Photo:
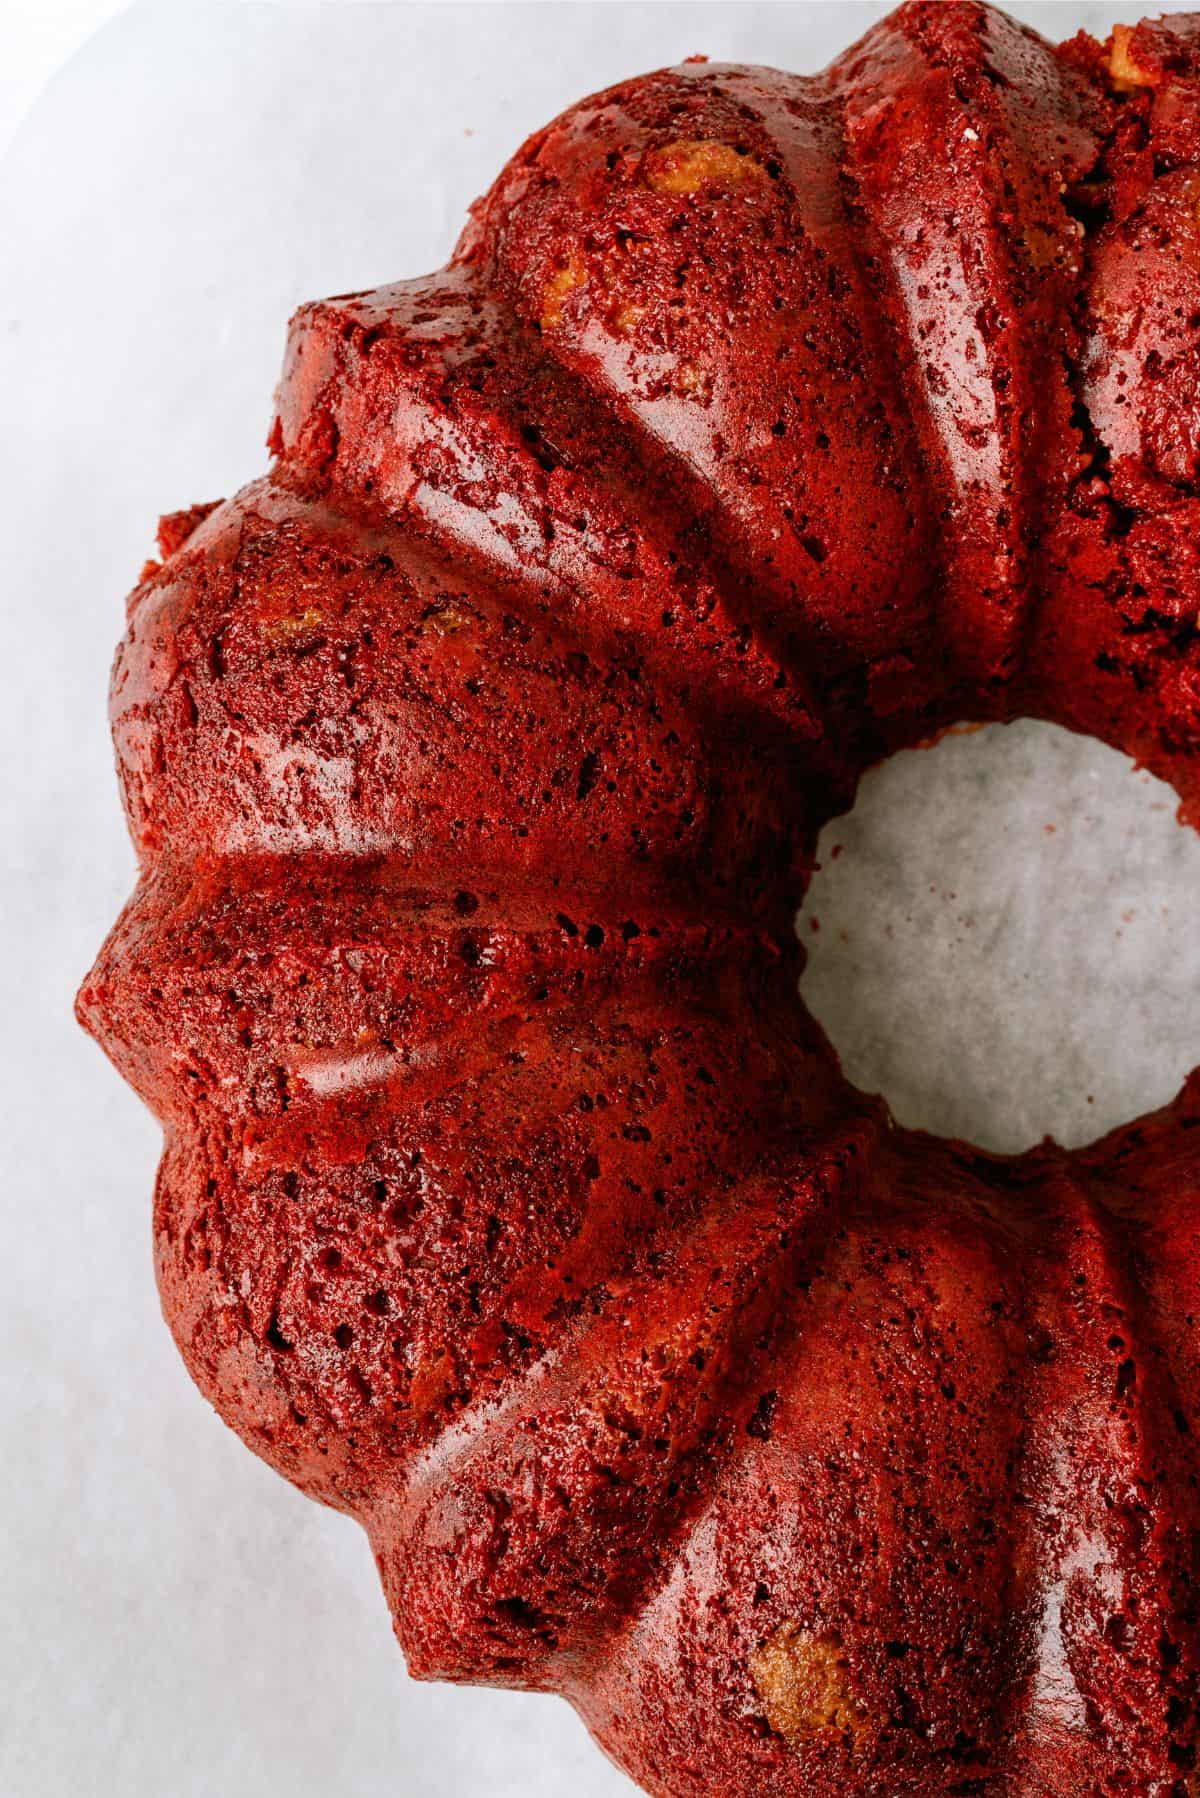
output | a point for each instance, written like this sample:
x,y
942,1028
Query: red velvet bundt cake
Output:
x,y
475,759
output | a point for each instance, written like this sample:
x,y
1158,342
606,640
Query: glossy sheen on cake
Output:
x,y
475,759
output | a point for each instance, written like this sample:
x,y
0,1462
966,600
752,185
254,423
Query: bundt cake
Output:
x,y
475,759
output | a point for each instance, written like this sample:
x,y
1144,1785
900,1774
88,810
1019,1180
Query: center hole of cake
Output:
x,y
1002,938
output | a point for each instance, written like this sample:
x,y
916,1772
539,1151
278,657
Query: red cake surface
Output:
x,y
475,758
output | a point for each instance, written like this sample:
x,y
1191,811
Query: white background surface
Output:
x,y
178,1623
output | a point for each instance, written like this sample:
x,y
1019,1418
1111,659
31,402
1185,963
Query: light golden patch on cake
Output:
x,y
566,278
1047,247
695,383
291,626
626,317
806,1688
1124,71
445,621
690,163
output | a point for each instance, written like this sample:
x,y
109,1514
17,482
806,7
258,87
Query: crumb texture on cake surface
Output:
x,y
475,758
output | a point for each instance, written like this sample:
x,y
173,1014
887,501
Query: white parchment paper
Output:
x,y
1003,938
177,1622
